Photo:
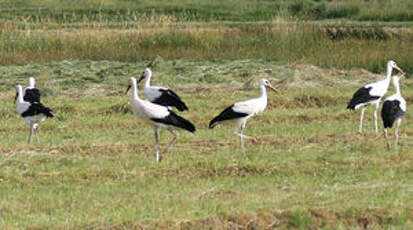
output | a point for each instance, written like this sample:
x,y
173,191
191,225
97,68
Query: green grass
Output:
x,y
324,33
295,42
95,167
203,10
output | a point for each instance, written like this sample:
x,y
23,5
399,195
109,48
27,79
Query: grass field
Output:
x,y
36,33
95,166
203,10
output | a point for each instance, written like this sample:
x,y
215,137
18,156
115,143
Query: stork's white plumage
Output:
x,y
33,113
371,94
160,95
394,108
30,93
159,116
242,111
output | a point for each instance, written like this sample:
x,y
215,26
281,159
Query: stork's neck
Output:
x,y
397,86
388,75
148,80
31,82
135,91
20,94
263,92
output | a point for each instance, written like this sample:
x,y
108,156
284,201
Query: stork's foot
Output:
x,y
243,136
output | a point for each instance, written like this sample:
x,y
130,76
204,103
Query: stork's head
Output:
x,y
392,64
266,83
31,82
132,81
145,74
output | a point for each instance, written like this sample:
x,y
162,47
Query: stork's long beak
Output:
x,y
129,86
15,97
141,78
272,88
400,70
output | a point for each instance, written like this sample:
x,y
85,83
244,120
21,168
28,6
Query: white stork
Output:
x,y
242,111
371,94
160,95
33,113
30,93
159,116
394,108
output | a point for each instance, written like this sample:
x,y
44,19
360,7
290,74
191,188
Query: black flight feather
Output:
x,y
177,121
32,95
37,108
390,112
170,98
227,114
362,95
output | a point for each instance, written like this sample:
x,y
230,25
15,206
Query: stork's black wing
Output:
x,y
390,112
37,108
176,120
170,98
31,95
227,114
361,96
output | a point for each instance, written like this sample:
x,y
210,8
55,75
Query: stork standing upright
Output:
x,y
33,113
394,108
159,116
160,95
30,93
371,94
242,111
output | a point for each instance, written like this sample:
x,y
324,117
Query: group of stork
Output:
x,y
394,106
157,108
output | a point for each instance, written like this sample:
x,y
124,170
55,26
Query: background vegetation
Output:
x,y
205,10
288,31
95,167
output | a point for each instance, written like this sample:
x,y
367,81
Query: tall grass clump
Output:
x,y
63,12
307,9
285,41
342,11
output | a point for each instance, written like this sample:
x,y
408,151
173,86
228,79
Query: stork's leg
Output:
x,y
241,136
396,132
375,117
361,119
158,157
176,135
35,132
387,139
238,131
30,134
